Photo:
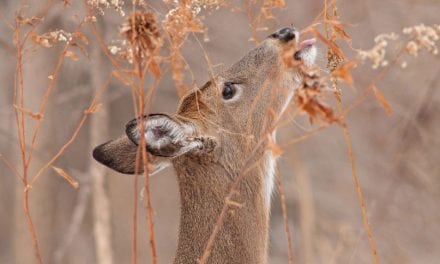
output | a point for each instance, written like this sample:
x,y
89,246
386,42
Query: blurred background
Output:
x,y
397,155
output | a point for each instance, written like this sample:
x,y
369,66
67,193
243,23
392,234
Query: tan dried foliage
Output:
x,y
66,176
343,71
382,100
48,39
70,54
339,31
307,97
142,31
180,21
269,5
30,21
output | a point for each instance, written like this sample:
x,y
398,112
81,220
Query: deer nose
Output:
x,y
285,34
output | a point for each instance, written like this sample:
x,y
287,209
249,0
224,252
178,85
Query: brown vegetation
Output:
x,y
146,48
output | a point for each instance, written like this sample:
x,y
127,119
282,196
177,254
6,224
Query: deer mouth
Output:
x,y
306,52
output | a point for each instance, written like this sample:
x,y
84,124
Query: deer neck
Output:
x,y
244,234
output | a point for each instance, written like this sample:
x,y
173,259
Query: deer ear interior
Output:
x,y
164,136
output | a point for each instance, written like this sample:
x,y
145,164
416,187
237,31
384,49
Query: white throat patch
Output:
x,y
269,177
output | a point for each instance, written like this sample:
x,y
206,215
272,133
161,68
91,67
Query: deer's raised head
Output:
x,y
208,139
237,106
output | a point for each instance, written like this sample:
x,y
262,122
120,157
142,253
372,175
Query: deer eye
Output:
x,y
229,90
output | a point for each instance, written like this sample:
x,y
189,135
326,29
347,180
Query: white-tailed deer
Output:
x,y
215,130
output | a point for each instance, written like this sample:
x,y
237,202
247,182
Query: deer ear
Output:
x,y
166,137
120,155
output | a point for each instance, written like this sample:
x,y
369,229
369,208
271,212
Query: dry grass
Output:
x,y
150,47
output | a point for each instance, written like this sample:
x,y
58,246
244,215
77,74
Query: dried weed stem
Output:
x,y
285,217
141,30
333,62
20,123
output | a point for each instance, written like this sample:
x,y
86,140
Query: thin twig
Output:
x,y
285,218
347,135
22,140
11,167
140,70
86,113
48,92
356,178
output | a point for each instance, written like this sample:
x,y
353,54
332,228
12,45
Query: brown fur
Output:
x,y
205,175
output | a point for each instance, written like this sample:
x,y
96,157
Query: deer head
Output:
x,y
207,141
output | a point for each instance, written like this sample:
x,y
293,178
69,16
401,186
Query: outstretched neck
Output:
x,y
244,233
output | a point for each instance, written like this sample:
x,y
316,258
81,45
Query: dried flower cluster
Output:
x,y
121,50
47,40
208,4
179,22
421,37
425,37
182,20
378,52
307,96
333,60
141,30
269,5
100,5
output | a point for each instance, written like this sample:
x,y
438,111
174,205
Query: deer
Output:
x,y
215,130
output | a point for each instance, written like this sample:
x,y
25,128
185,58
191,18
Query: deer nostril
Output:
x,y
285,34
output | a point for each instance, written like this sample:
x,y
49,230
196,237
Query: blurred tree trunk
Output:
x,y
98,134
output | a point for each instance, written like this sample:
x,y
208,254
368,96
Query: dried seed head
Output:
x,y
333,60
142,32
269,5
182,20
377,54
48,39
307,96
424,37
100,5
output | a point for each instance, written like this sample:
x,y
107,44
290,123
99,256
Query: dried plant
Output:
x,y
178,23
418,38
377,53
142,31
101,5
308,96
142,48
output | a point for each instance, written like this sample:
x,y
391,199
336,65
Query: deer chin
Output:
x,y
307,52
